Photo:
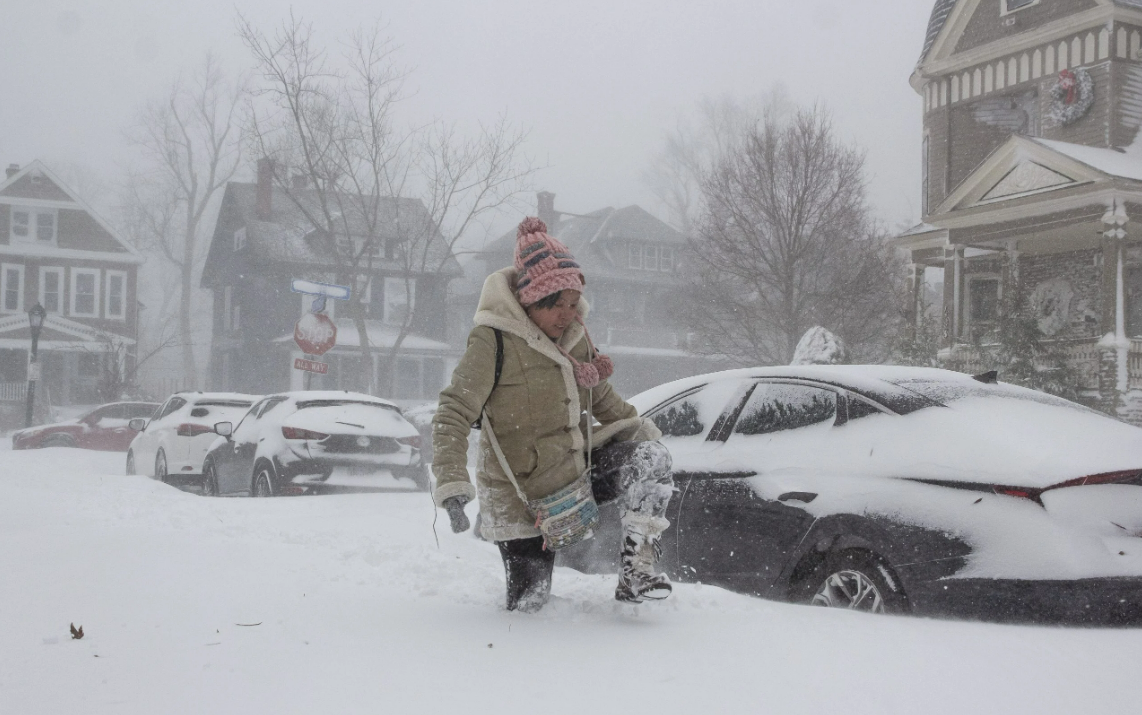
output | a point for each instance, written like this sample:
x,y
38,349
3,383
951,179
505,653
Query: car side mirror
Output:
x,y
138,424
224,428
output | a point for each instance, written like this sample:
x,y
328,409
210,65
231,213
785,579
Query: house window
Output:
x,y
34,224
84,292
51,289
21,221
634,256
650,258
666,260
240,239
925,156
46,226
12,288
400,299
1010,6
983,304
418,378
116,298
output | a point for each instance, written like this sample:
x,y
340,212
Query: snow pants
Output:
x,y
636,474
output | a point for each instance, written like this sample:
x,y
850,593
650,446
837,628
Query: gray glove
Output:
x,y
455,508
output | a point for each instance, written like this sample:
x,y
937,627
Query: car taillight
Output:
x,y
187,429
1035,494
299,433
413,442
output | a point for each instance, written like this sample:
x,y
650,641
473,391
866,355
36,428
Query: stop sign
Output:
x,y
315,333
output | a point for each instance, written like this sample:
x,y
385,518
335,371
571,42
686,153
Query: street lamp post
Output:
x,y
35,324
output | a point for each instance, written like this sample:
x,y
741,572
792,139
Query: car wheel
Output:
x,y
263,482
161,465
130,464
58,440
857,581
209,480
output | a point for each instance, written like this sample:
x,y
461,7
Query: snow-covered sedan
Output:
x,y
172,445
892,489
104,428
315,441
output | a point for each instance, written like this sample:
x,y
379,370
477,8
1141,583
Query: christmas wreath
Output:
x,y
1071,96
1051,301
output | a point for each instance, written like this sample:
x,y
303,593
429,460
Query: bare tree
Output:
x,y
715,129
785,241
377,198
190,147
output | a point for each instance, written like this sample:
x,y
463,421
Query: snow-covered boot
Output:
x,y
528,568
637,580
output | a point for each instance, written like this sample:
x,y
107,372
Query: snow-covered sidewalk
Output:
x,y
344,604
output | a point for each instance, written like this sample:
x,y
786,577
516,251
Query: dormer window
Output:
x,y
1010,6
647,257
33,224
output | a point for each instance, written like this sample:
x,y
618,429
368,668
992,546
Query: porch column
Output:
x,y
916,298
957,292
1115,345
1010,275
947,310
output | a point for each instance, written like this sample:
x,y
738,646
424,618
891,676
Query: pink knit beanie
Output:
x,y
544,264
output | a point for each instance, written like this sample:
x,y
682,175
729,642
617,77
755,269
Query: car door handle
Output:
x,y
797,496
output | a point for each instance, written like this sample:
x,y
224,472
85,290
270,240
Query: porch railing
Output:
x,y
13,391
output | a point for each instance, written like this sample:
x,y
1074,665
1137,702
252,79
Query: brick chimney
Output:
x,y
547,212
12,170
264,207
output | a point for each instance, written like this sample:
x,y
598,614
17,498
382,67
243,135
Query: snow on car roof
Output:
x,y
871,379
316,395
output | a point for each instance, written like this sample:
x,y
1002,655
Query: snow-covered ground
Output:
x,y
345,604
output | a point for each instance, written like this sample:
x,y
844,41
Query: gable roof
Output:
x,y
290,238
54,192
1024,166
593,239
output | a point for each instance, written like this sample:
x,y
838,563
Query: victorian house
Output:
x,y
1032,182
632,263
265,238
57,252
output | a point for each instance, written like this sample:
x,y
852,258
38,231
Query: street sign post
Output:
x,y
328,290
321,368
315,333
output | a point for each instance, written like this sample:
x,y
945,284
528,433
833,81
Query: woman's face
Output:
x,y
554,321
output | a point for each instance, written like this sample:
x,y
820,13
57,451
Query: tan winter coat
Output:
x,y
537,412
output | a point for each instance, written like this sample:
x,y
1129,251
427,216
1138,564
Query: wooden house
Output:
x,y
263,240
1032,182
56,251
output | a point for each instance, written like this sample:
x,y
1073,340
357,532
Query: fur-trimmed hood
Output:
x,y
499,308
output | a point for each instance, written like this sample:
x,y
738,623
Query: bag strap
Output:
x,y
479,423
503,460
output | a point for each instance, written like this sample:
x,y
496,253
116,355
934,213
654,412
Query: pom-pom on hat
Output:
x,y
544,264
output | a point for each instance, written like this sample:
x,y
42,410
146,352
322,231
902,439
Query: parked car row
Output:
x,y
873,488
235,444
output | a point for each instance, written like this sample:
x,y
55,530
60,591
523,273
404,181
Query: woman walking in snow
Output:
x,y
531,376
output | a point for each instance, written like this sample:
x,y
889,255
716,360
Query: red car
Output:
x,y
104,428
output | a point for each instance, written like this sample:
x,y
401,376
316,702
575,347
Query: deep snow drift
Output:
x,y
358,611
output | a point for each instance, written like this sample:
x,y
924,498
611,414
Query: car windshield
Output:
x,y
948,391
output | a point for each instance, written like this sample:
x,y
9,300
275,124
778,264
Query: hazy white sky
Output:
x,y
598,82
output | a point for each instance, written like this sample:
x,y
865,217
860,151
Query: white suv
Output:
x,y
171,446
